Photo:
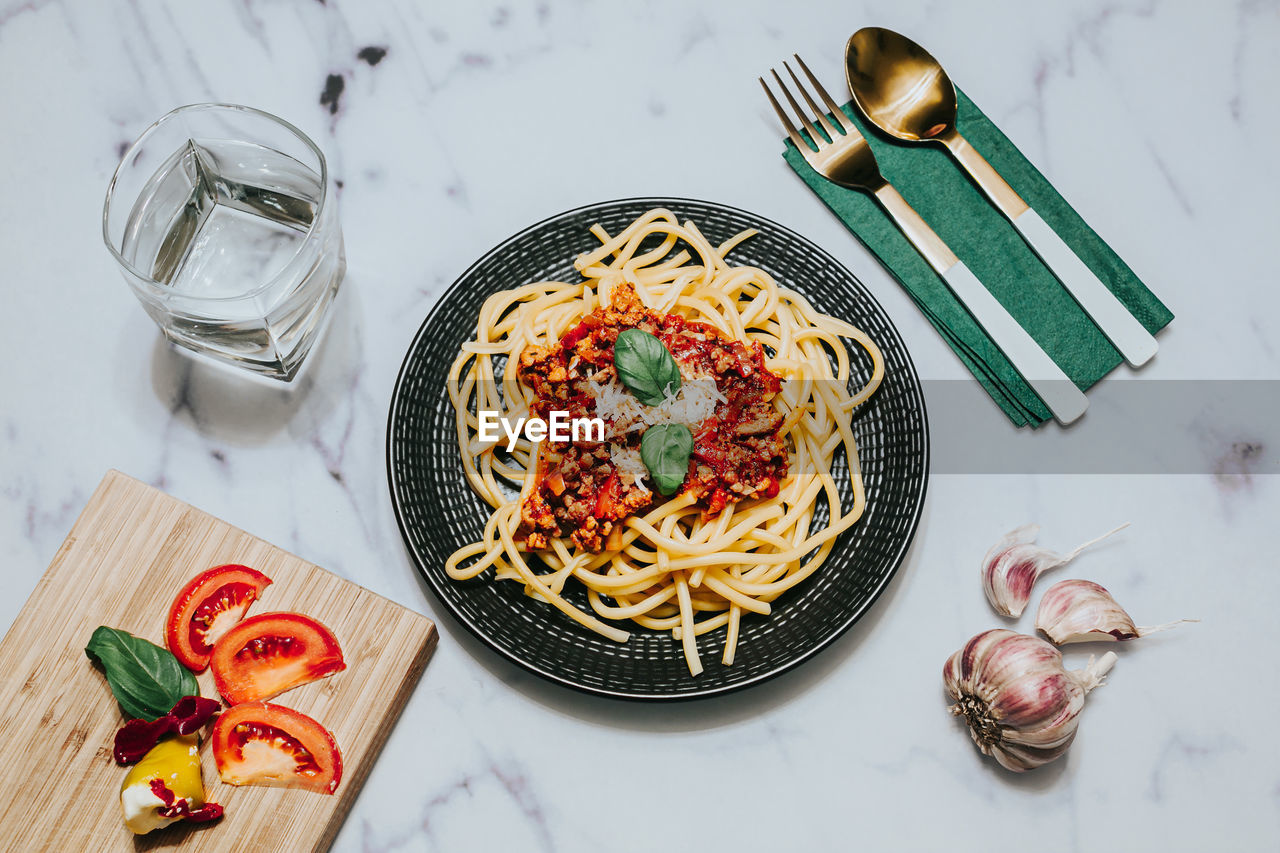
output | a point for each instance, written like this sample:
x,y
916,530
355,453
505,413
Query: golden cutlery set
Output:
x,y
903,91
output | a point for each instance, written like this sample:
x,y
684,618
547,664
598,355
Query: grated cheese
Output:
x,y
693,403
630,465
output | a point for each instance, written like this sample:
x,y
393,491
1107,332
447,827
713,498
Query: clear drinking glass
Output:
x,y
224,225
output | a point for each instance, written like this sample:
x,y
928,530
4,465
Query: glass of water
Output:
x,y
224,224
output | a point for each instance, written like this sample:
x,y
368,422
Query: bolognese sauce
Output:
x,y
585,489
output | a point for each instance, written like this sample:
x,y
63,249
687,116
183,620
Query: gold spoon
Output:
x,y
901,89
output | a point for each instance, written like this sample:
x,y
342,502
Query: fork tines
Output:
x,y
818,142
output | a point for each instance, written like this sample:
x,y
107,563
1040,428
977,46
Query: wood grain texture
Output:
x,y
128,554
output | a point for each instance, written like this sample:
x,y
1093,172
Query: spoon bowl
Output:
x,y
899,86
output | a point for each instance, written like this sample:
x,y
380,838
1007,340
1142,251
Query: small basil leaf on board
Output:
x,y
147,680
665,450
645,366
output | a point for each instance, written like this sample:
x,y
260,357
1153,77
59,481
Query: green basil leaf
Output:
x,y
645,366
147,680
665,450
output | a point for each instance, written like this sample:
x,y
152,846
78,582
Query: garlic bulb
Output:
x,y
1078,611
1011,567
1021,705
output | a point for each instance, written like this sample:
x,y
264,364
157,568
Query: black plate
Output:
x,y
438,512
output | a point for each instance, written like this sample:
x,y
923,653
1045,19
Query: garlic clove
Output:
x,y
1080,611
1020,757
1021,705
1011,567
1008,571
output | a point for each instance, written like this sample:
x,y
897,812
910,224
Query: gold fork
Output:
x,y
844,157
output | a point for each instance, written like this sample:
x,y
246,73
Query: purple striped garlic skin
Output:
x,y
1080,611
1021,705
1011,567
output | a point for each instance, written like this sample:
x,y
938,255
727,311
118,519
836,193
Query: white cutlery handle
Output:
x,y
1060,394
1121,328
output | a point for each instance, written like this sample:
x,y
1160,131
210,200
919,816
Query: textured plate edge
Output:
x,y
827,641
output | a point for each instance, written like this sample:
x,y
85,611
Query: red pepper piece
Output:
x,y
136,738
174,807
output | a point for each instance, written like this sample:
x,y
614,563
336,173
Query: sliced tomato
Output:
x,y
577,333
261,744
609,501
270,653
207,608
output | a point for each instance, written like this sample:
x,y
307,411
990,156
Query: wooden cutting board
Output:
x,y
129,553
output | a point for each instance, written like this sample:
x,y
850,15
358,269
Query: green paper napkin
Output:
x,y
940,191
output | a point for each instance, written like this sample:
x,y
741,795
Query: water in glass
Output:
x,y
240,266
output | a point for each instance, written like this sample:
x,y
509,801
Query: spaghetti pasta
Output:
x,y
672,565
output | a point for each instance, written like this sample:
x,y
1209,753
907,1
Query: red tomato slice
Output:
x,y
207,608
608,502
261,744
270,653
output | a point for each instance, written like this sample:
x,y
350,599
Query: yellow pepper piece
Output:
x,y
175,762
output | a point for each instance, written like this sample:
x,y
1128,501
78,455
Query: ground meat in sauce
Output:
x,y
737,452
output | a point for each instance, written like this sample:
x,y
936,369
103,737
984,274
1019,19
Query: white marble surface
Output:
x,y
1156,119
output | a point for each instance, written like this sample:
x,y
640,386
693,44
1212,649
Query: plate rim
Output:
x,y
808,654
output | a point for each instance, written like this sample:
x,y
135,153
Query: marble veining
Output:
x,y
1155,119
